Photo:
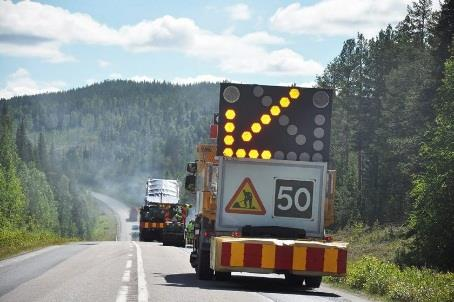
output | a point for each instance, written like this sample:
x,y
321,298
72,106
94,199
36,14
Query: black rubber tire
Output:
x,y
203,270
222,276
313,281
294,280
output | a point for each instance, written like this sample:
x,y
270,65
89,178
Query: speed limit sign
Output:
x,y
293,198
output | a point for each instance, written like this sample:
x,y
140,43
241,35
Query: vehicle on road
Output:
x,y
264,194
132,214
135,232
162,217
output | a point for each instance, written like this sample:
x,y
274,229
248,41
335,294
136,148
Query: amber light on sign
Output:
x,y
256,127
265,119
275,110
230,114
228,140
240,153
284,102
294,93
253,153
246,136
229,127
228,152
266,154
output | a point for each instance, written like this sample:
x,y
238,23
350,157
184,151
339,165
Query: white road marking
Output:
x,y
141,282
126,276
129,255
128,264
122,295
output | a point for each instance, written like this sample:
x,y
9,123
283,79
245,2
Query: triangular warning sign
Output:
x,y
246,200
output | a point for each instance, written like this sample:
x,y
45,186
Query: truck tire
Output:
x,y
313,281
203,270
294,280
165,241
222,276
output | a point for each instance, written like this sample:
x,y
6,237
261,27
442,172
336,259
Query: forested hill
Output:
x,y
116,133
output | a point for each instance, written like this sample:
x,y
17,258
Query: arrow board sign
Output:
x,y
271,193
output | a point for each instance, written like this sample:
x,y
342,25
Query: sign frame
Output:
x,y
232,171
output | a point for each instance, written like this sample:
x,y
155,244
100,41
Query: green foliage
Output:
x,y
386,279
433,189
117,133
41,209
105,227
30,203
379,241
13,241
12,199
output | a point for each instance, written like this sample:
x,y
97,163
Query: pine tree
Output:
x,y
42,160
23,144
13,201
432,218
420,14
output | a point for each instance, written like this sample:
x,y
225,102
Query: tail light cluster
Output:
x,y
236,234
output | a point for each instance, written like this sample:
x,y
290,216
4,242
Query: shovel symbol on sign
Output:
x,y
246,202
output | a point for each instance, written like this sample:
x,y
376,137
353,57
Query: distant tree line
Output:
x,y
392,140
35,194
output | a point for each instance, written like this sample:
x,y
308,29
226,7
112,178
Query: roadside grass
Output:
x,y
13,242
371,269
17,241
105,227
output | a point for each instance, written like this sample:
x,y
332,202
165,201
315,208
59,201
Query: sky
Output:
x,y
57,45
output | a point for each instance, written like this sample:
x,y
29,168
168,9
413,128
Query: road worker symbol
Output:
x,y
246,200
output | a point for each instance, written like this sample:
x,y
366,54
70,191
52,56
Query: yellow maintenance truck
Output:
x,y
264,194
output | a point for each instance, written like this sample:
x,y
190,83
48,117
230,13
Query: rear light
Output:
x,y
328,238
207,234
236,234
213,131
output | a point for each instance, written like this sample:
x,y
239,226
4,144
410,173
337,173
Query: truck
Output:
x,y
263,191
162,217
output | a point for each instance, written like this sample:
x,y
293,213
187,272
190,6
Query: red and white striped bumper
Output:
x,y
273,255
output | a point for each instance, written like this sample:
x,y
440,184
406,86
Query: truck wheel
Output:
x,y
222,276
313,281
294,280
203,270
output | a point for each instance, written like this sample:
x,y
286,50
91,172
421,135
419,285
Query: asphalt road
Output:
x,y
136,271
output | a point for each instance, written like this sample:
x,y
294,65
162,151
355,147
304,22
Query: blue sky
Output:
x,y
58,45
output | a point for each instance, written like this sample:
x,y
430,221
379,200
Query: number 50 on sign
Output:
x,y
293,198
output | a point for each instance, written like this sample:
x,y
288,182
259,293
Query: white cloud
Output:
x,y
49,51
261,38
339,17
55,27
115,76
239,12
303,84
54,23
20,83
91,81
103,63
199,79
